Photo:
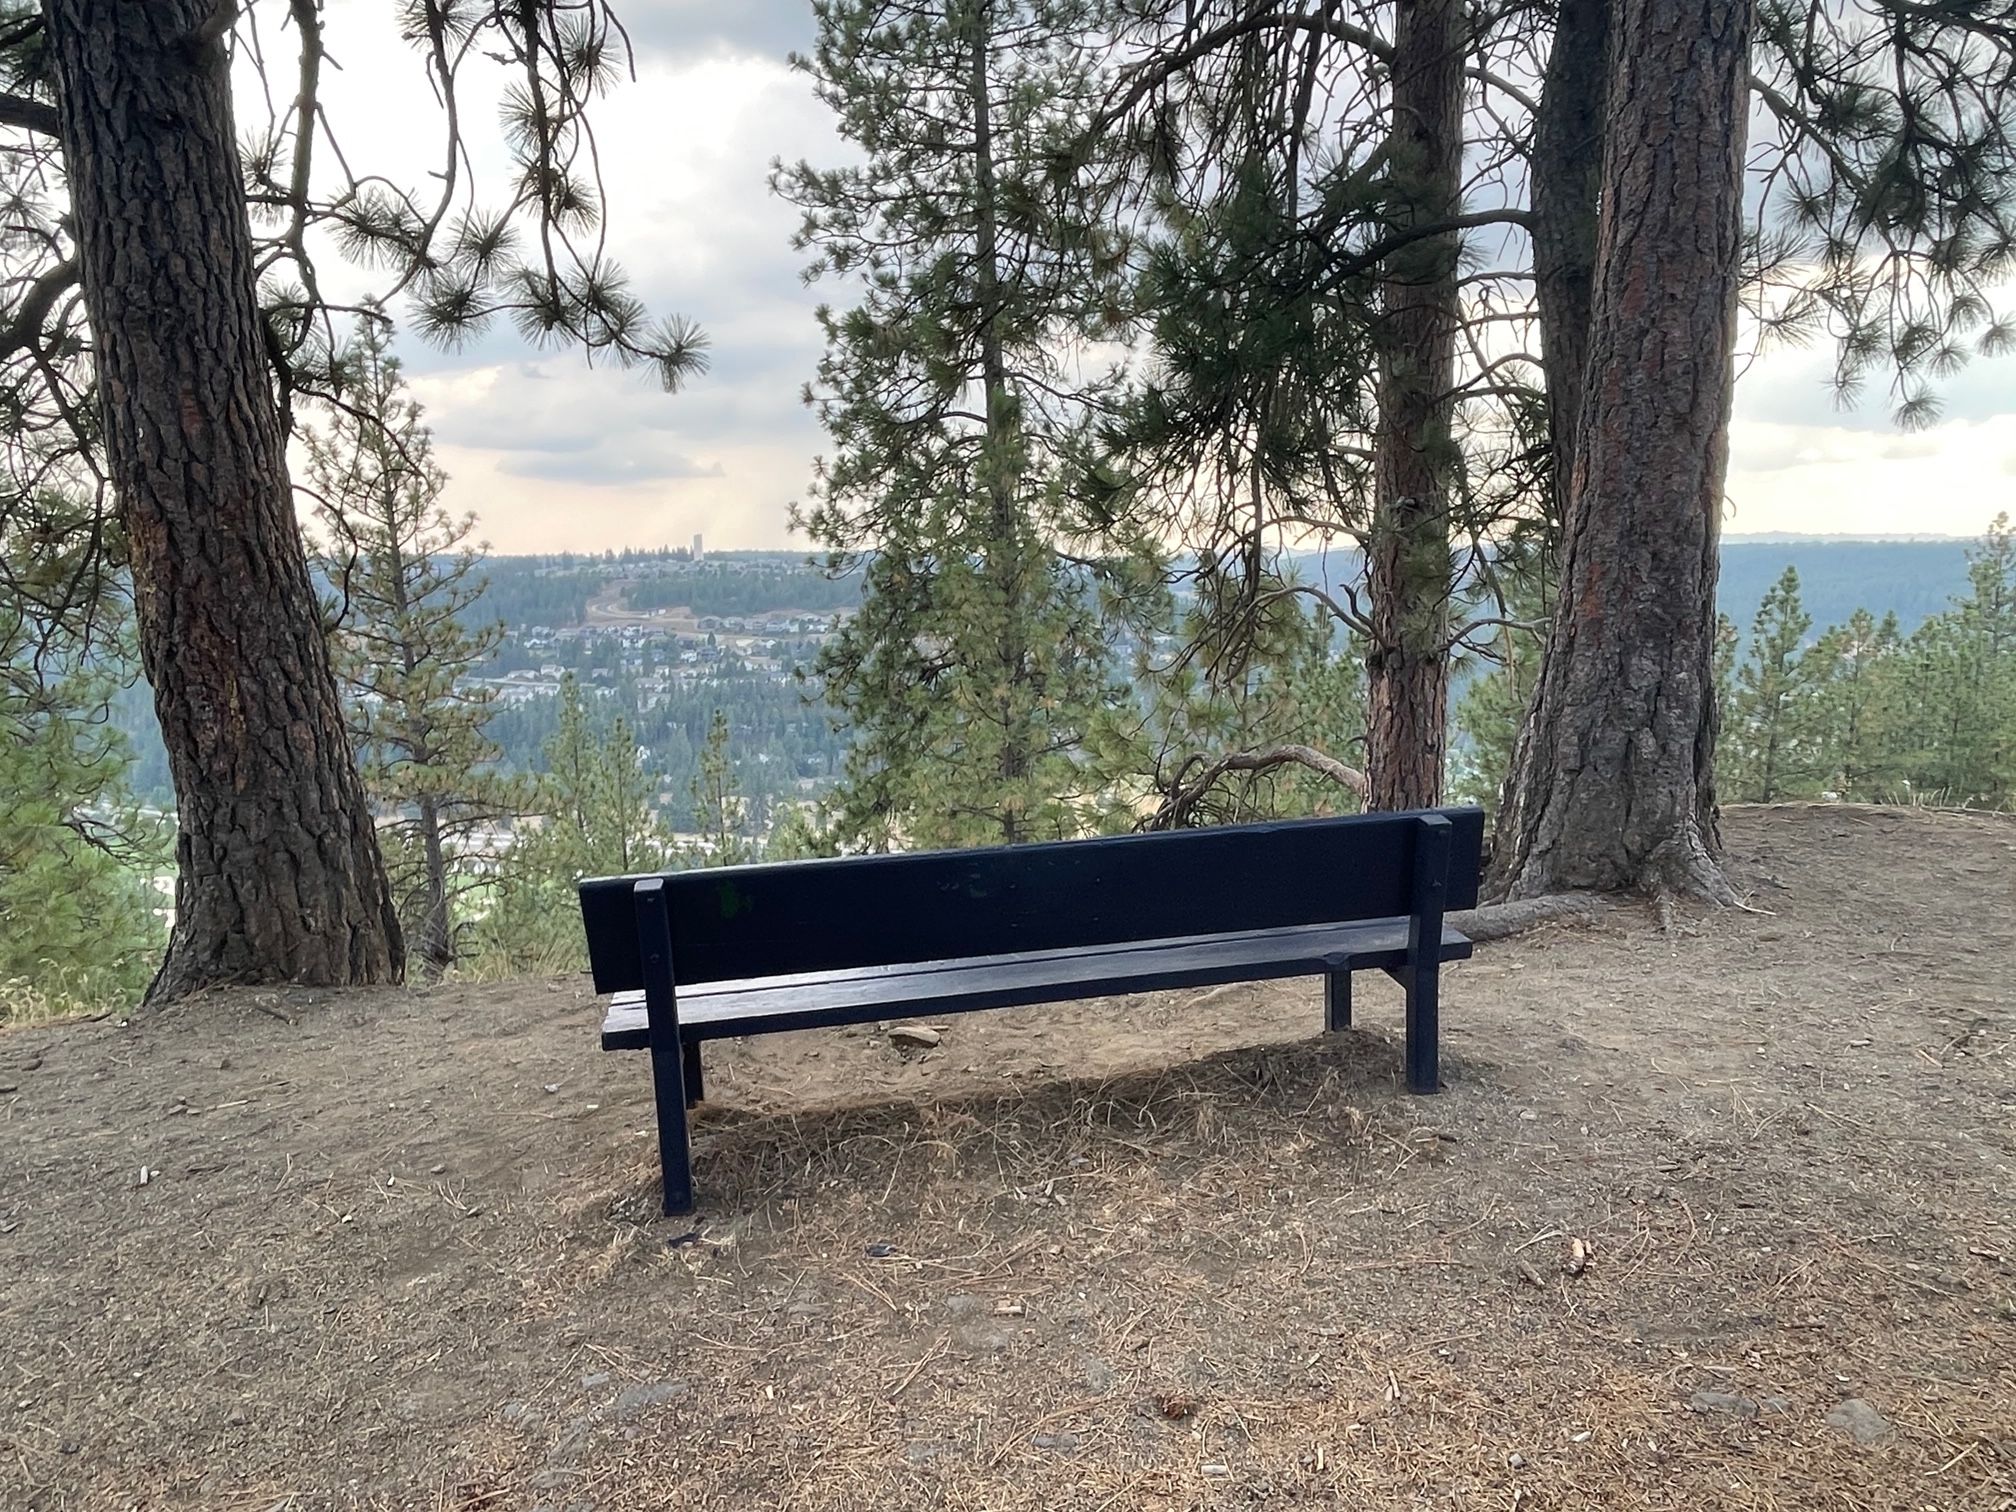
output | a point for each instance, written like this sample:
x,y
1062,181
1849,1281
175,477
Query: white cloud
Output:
x,y
1817,479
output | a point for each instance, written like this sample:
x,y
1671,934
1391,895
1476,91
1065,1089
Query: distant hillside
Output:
x,y
1917,579
1837,576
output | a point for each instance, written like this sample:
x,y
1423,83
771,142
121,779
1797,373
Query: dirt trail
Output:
x,y
400,1249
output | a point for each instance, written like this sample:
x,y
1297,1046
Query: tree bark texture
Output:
x,y
1408,554
435,949
1567,170
279,872
1612,780
1005,557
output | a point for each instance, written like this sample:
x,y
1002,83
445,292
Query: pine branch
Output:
x,y
1183,796
30,115
24,332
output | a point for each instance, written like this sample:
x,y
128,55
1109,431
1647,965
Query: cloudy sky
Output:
x,y
552,455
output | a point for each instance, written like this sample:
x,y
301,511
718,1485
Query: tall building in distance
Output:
x,y
699,551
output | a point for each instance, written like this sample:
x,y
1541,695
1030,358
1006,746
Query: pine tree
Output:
x,y
719,809
1303,174
1415,456
598,795
163,309
1886,218
976,659
1612,784
1964,662
1763,726
79,915
406,580
1855,719
597,817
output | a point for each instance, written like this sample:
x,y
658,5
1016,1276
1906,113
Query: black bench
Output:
x,y
745,950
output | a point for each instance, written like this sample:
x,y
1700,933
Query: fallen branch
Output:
x,y
1184,795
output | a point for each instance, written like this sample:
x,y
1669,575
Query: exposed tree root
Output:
x,y
1683,866
1498,921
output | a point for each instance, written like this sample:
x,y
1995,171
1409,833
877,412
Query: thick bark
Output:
x,y
280,877
1003,546
1567,170
1408,555
435,949
1612,780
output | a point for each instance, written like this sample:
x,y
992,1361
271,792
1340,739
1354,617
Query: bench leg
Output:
x,y
1424,1072
1337,1001
669,1048
690,1065
1421,975
675,1148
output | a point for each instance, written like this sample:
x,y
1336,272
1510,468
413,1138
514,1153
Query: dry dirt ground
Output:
x,y
400,1249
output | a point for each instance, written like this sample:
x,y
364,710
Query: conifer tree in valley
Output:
x,y
1855,725
719,810
406,582
596,807
1766,722
950,393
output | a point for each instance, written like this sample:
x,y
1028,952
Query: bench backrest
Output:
x,y
783,918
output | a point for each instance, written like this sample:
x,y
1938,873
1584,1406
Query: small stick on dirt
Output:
x,y
915,1370
875,1291
1956,1459
1023,1435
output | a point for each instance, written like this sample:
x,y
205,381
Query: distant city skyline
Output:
x,y
553,455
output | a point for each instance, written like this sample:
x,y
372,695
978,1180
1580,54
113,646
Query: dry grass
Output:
x,y
402,1249
1256,1278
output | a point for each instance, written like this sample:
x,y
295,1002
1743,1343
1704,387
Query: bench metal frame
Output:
x,y
765,949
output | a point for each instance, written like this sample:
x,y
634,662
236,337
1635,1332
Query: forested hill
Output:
x,y
1837,576
1916,579
669,640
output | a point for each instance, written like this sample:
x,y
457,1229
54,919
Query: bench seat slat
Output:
x,y
766,1005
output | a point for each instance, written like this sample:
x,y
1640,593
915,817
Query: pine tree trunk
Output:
x,y
1567,180
1003,544
1408,559
1612,783
280,877
434,949
436,945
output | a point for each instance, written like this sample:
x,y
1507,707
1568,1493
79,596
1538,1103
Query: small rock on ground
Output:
x,y
632,1400
914,1034
1859,1421
1723,1401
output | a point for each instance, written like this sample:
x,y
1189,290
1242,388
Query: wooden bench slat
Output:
x,y
770,1005
730,924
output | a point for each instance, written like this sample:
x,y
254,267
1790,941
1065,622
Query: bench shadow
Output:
x,y
1331,1099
